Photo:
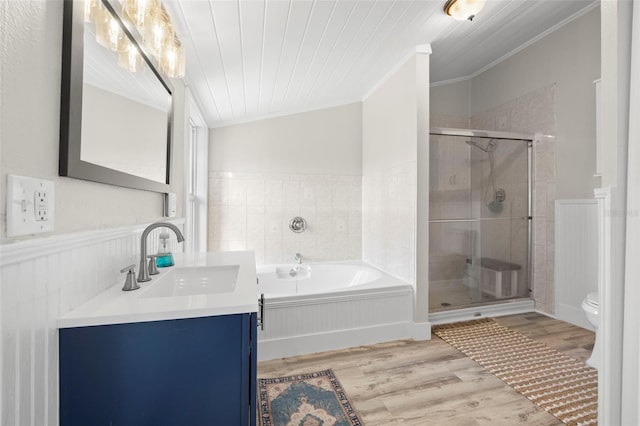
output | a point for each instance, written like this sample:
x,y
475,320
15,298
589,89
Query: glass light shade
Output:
x,y
152,21
130,59
90,10
157,31
172,59
462,10
108,31
137,11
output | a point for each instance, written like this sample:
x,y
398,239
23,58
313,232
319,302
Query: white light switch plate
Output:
x,y
30,205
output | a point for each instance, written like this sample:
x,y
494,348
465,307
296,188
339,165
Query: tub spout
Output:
x,y
298,258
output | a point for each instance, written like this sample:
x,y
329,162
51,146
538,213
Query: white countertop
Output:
x,y
114,306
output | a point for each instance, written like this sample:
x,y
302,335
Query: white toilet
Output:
x,y
591,308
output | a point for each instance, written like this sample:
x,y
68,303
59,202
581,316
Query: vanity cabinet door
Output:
x,y
196,371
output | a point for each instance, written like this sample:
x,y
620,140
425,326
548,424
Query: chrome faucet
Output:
x,y
298,258
143,275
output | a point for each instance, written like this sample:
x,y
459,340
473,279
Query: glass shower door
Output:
x,y
478,221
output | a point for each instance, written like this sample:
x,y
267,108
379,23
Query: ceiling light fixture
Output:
x,y
462,10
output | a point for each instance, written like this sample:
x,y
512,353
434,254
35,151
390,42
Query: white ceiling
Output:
x,y
248,59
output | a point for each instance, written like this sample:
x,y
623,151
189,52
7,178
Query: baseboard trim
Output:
x,y
333,340
573,315
421,331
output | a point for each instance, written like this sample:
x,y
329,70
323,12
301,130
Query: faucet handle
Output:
x,y
153,266
130,282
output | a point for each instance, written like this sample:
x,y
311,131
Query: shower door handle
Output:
x,y
261,307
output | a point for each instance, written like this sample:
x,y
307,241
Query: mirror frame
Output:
x,y
70,163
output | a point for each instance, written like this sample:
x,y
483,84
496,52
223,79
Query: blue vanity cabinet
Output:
x,y
195,371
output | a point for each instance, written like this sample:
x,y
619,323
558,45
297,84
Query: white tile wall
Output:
x,y
40,280
534,113
252,211
445,120
389,220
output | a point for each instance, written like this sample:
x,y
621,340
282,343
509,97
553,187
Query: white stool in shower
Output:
x,y
498,268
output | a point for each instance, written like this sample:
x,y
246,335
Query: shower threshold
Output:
x,y
482,310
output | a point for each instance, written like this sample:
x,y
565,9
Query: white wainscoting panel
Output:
x,y
324,322
576,270
40,280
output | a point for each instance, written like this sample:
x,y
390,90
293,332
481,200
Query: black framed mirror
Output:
x,y
115,125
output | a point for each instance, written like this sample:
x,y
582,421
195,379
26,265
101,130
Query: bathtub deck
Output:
x,y
429,382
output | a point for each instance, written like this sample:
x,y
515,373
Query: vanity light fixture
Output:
x,y
152,21
462,10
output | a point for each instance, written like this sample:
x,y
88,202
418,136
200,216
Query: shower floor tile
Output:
x,y
445,295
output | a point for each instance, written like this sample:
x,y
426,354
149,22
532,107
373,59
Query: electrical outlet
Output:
x,y
30,206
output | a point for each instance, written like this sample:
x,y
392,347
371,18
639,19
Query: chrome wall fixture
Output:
x,y
298,224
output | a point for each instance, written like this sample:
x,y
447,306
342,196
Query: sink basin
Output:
x,y
193,281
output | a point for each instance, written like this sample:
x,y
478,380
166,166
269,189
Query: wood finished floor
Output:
x,y
431,383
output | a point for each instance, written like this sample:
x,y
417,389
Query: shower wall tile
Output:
x,y
519,116
503,119
252,211
444,120
534,113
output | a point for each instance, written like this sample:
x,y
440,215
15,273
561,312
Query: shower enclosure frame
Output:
x,y
483,309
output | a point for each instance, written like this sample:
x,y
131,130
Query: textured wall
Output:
x,y
29,133
46,276
570,59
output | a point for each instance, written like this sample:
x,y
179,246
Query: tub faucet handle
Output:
x,y
298,258
130,282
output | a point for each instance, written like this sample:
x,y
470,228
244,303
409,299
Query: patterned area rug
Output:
x,y
563,386
314,399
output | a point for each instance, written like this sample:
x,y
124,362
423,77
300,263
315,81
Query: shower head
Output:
x,y
491,146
